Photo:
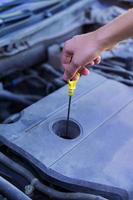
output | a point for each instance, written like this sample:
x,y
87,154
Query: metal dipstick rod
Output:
x,y
71,87
68,117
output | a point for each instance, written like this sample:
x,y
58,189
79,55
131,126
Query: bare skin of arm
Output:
x,y
87,48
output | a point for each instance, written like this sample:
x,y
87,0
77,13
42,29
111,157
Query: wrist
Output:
x,y
104,39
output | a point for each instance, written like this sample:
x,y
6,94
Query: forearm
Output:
x,y
85,49
119,29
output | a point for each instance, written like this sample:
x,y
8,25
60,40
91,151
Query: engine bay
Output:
x,y
35,159
24,80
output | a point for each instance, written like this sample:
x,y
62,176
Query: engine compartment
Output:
x,y
20,74
33,104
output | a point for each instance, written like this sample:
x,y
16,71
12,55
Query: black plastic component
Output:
x,y
11,192
14,17
58,8
102,107
98,147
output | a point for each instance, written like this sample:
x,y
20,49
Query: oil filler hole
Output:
x,y
59,128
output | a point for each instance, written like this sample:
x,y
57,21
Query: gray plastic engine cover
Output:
x,y
102,153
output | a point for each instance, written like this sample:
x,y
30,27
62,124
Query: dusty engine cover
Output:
x,y
101,154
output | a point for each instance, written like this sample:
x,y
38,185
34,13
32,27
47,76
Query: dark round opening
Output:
x,y
60,129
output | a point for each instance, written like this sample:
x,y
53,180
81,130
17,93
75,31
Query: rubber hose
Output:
x,y
11,192
120,79
65,195
16,167
14,98
113,70
52,193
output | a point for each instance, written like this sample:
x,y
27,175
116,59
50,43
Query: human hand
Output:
x,y
80,51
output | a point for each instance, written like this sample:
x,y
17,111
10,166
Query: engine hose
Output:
x,y
49,69
10,191
28,77
19,98
50,192
113,70
120,79
16,167
56,195
58,82
14,98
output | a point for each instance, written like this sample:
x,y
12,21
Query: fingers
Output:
x,y
97,60
84,71
75,77
72,67
66,57
67,53
70,70
73,60
91,63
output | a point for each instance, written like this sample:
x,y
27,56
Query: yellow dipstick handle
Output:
x,y
72,86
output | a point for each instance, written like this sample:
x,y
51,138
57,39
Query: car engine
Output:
x,y
36,160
